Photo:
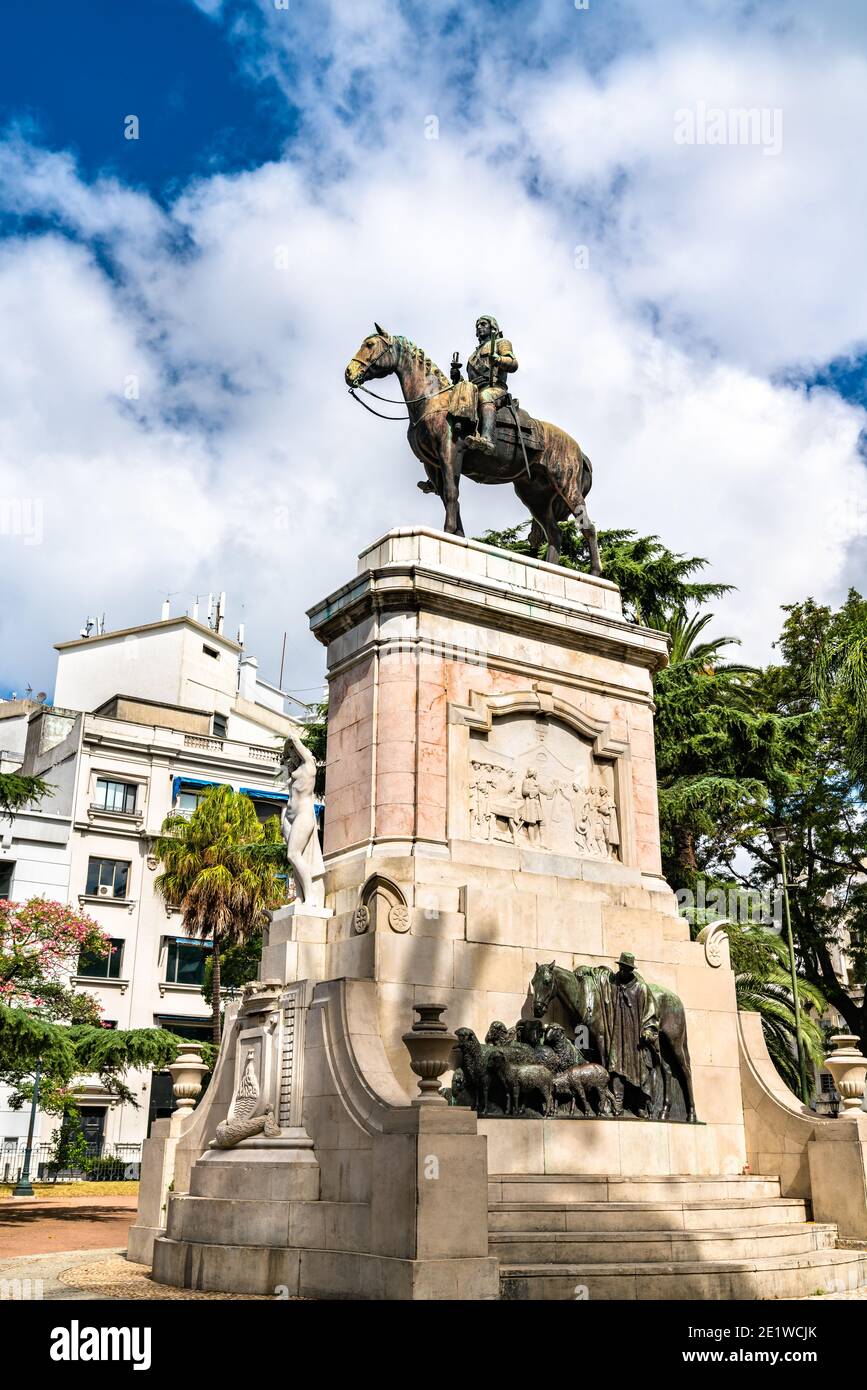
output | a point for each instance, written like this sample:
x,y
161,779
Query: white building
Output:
x,y
144,721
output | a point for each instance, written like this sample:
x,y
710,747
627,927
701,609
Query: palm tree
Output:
x,y
220,870
763,985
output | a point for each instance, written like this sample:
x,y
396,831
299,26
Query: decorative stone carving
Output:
x,y
256,1068
398,917
429,1044
849,1070
243,1122
536,782
186,1072
713,938
292,1053
380,895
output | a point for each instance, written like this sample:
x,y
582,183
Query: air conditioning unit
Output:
x,y
103,891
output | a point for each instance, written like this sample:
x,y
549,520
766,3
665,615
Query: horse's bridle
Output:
x,y
547,1004
395,419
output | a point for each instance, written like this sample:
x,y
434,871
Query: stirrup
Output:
x,y
479,443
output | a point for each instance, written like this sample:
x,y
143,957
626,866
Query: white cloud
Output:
x,y
242,419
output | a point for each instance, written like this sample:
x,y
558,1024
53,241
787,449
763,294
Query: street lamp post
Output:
x,y
24,1187
780,837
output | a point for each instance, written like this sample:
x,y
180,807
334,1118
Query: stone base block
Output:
x,y
612,1147
338,1274
140,1246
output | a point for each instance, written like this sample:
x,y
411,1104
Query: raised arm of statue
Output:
x,y
298,822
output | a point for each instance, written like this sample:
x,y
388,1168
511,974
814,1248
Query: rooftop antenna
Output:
x,y
100,627
88,627
221,611
210,610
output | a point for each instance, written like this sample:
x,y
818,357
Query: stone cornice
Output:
x,y
419,586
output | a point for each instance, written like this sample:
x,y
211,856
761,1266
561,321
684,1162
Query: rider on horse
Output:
x,y
487,369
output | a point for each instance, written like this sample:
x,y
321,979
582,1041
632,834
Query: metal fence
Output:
x,y
103,1162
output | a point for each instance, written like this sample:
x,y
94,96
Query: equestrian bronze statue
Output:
x,y
635,1027
474,427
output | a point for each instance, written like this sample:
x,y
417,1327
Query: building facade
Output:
x,y
144,721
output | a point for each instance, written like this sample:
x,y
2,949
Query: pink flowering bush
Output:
x,y
40,942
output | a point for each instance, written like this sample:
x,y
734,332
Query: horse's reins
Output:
x,y
399,419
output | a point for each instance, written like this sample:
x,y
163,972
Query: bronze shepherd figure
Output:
x,y
549,470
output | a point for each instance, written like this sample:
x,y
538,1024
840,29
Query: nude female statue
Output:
x,y
298,821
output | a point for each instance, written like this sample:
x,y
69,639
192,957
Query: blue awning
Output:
x,y
178,782
263,795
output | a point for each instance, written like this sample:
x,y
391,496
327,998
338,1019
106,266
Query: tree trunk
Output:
x,y
215,990
685,844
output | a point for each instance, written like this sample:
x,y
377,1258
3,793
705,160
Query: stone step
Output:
x,y
680,1188
658,1247
269,1223
645,1216
775,1276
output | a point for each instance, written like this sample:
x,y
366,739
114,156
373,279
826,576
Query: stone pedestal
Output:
x,y
491,805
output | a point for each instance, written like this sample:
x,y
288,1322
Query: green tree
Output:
x,y
220,868
839,676
717,744
315,734
760,961
654,582
45,1023
17,791
822,806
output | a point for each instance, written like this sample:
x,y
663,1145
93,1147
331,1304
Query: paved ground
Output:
x,y
84,1276
40,1225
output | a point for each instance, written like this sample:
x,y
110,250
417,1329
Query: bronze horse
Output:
x,y
552,481
581,992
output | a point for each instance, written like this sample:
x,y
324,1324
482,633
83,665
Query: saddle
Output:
x,y
506,434
464,406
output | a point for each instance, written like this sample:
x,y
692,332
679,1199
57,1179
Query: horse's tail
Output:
x,y
586,474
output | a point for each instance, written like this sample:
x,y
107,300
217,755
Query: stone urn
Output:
x,y
187,1071
429,1044
849,1069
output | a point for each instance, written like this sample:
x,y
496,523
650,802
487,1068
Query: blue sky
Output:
x,y
72,72
176,310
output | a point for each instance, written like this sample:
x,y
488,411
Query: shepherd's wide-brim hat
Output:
x,y
627,958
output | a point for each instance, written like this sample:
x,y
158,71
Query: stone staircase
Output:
x,y
562,1237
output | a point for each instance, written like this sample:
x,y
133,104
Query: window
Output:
x,y
188,802
6,871
115,796
107,878
185,964
102,967
220,726
266,808
211,651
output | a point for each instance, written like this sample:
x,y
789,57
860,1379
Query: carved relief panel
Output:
x,y
530,771
535,782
